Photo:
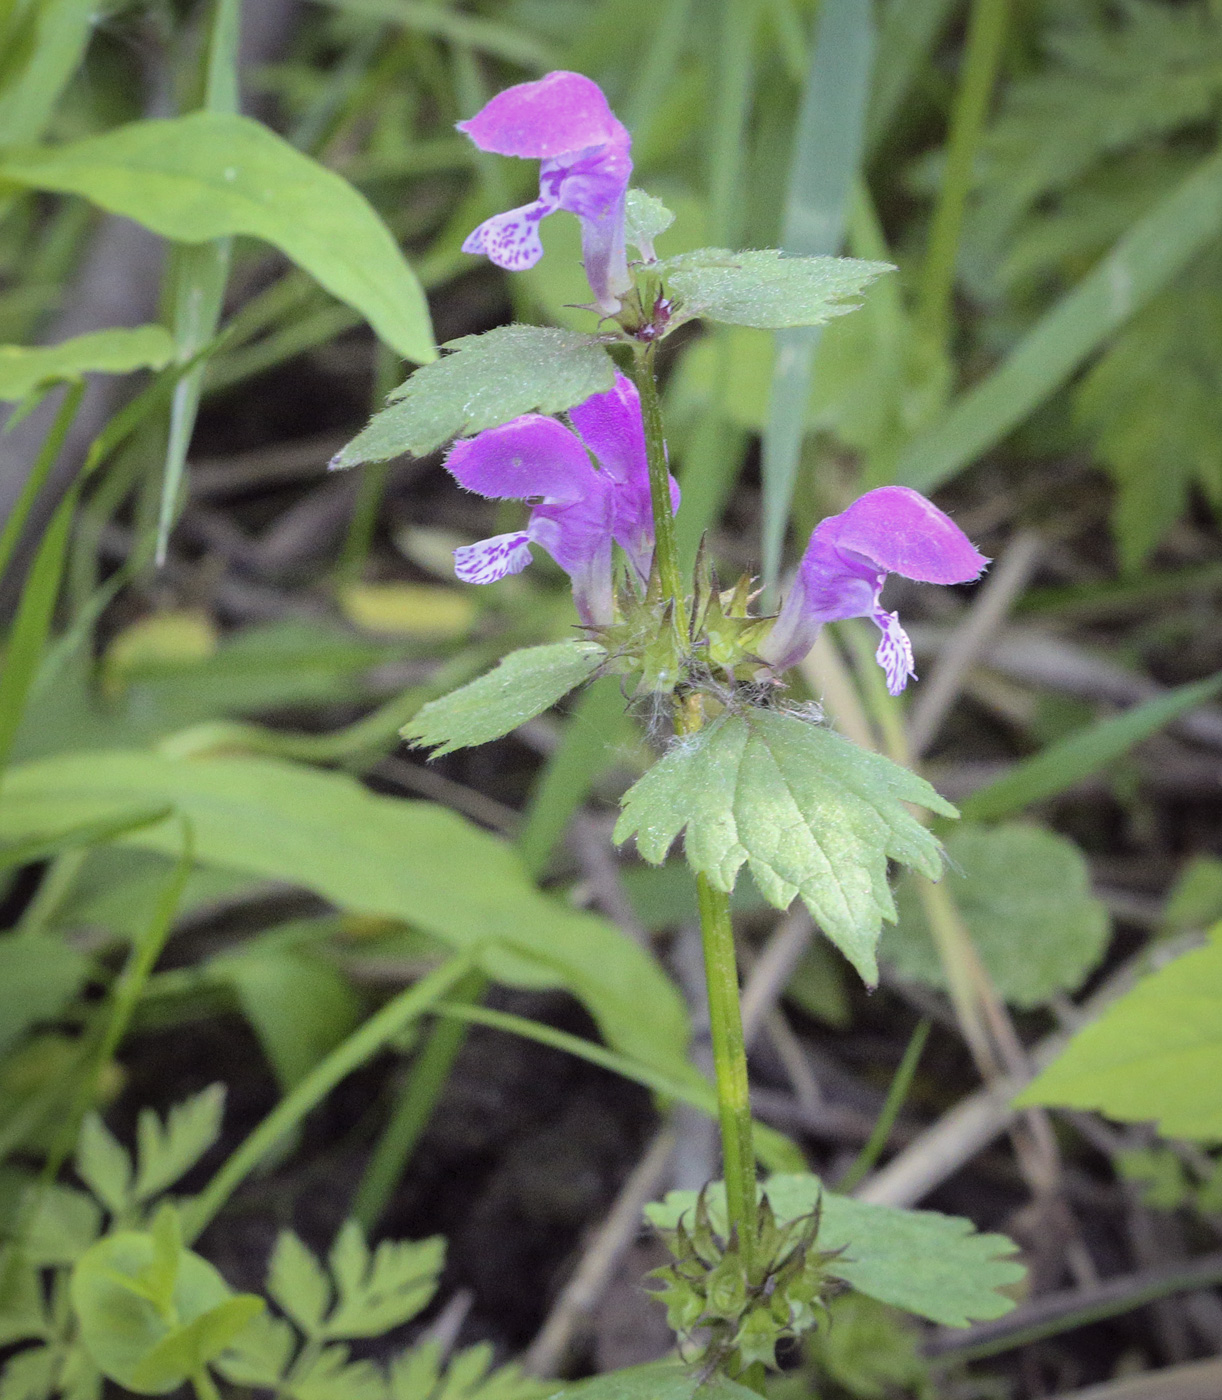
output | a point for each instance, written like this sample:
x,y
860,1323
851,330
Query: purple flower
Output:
x,y
893,530
577,509
564,121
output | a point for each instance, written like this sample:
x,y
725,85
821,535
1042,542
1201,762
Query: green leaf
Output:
x,y
659,1380
378,1292
766,289
809,812
103,1165
417,1374
57,1223
933,1265
38,977
133,1341
870,1350
1153,405
330,1376
29,1375
1025,895
411,861
167,1152
260,1354
1155,1054
186,1351
486,380
1141,263
26,368
521,686
39,63
211,175
1062,764
298,1283
299,1006
53,843
644,219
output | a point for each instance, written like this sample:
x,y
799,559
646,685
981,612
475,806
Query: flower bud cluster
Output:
x,y
728,1314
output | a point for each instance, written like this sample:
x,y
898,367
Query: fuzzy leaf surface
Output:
x,y
118,351
809,812
484,381
765,288
1155,1054
644,218
926,1263
520,686
1025,895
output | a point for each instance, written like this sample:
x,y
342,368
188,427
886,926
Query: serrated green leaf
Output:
x,y
644,219
520,686
38,977
211,175
933,1265
1025,895
1155,1054
659,1380
765,288
378,1293
330,1376
118,351
28,1375
466,1378
486,380
103,1165
298,1283
260,1354
168,1151
809,812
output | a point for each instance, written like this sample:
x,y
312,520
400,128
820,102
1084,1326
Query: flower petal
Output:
x,y
511,240
492,559
532,456
899,532
560,112
894,652
610,426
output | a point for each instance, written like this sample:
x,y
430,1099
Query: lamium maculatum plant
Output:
x,y
571,425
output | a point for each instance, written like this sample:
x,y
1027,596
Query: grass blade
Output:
x,y
827,154
1061,765
1140,265
28,634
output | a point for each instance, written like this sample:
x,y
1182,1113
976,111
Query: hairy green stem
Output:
x,y
985,35
716,928
360,1046
666,555
729,1064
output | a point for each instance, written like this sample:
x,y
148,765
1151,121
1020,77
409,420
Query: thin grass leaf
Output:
x,y
1141,264
827,155
198,278
28,634
468,31
1085,752
737,25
